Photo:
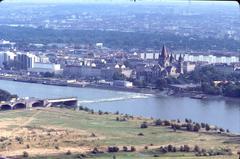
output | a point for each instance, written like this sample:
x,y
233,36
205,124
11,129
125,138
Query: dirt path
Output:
x,y
29,120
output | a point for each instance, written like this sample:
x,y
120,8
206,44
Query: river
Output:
x,y
223,112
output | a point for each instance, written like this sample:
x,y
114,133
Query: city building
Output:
x,y
6,57
25,60
211,59
208,58
81,71
42,59
46,67
189,67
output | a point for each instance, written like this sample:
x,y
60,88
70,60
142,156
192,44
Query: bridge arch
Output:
x,y
6,107
19,106
38,104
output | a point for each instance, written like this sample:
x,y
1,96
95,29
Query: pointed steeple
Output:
x,y
180,64
164,53
163,59
180,59
172,58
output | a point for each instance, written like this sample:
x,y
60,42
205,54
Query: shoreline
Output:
x,y
64,83
155,92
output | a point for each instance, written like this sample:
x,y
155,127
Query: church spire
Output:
x,y
180,64
180,59
163,59
172,58
164,53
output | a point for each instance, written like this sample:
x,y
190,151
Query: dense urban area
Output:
x,y
129,47
188,49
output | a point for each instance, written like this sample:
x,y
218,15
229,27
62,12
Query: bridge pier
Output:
x,y
32,103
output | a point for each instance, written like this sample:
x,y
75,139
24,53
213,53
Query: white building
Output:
x,y
188,67
149,56
196,58
42,59
4,42
212,59
99,45
6,56
46,67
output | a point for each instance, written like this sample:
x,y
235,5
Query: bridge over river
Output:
x,y
70,102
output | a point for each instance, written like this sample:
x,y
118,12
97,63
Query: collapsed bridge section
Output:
x,y
70,102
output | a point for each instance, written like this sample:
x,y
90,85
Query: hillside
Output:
x,y
62,133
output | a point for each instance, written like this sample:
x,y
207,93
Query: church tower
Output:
x,y
180,64
163,59
172,59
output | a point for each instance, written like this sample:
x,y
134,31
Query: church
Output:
x,y
167,65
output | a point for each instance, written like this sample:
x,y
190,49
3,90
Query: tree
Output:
x,y
144,125
189,127
167,123
207,127
125,149
231,90
6,96
196,127
113,149
196,148
161,83
25,154
68,152
186,148
158,122
133,149
118,76
48,74
238,154
170,148
203,125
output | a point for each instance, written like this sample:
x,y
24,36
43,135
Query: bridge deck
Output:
x,y
29,102
62,99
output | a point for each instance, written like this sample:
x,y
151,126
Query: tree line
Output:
x,y
115,39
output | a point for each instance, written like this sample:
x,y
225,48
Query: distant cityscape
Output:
x,y
119,79
185,27
131,47
102,66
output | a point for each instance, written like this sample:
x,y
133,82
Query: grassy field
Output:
x,y
54,132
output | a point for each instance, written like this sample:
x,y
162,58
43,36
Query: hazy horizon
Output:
x,y
118,1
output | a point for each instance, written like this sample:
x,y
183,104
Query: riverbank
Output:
x,y
61,82
65,83
156,106
62,133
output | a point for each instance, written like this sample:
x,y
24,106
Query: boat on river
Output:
x,y
199,96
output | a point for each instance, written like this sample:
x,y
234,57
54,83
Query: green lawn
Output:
x,y
112,132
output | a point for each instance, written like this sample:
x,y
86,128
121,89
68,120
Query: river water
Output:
x,y
223,112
